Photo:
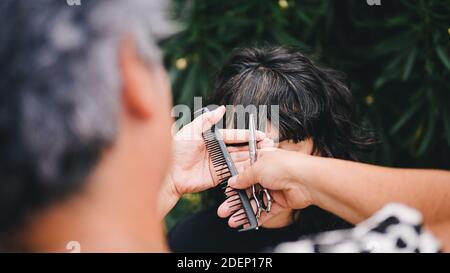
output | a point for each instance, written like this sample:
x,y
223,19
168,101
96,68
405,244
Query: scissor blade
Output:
x,y
252,139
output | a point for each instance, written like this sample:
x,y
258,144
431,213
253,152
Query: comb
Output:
x,y
225,169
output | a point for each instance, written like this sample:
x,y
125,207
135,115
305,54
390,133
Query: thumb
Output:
x,y
208,119
245,179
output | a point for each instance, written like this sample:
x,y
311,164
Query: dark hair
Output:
x,y
313,101
59,92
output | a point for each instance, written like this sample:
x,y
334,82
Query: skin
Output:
x,y
441,231
195,176
192,171
280,217
123,200
114,211
353,191
126,195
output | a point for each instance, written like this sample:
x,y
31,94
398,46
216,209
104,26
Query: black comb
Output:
x,y
225,169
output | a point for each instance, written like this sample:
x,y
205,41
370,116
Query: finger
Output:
x,y
225,210
234,149
230,192
246,178
241,166
235,221
206,120
240,156
266,143
228,207
234,136
239,217
231,205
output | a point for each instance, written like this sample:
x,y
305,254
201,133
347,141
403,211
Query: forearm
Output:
x,y
355,191
441,231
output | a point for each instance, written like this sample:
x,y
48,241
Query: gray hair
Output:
x,y
60,90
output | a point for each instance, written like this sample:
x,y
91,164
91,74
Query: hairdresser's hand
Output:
x,y
192,170
282,173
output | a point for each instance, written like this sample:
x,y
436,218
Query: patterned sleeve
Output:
x,y
395,228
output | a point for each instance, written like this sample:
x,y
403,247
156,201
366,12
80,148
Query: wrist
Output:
x,y
168,197
172,192
316,179
307,170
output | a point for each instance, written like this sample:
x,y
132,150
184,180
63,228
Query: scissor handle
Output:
x,y
262,198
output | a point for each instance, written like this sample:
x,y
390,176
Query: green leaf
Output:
x,y
394,64
380,82
188,90
428,134
429,67
395,44
303,17
397,20
283,37
405,117
443,56
409,64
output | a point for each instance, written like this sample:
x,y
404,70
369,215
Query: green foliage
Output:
x,y
396,57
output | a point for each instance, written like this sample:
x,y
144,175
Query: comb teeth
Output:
x,y
225,169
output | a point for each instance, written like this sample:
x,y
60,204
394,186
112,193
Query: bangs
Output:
x,y
311,101
268,95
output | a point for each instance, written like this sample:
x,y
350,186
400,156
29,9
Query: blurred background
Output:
x,y
396,57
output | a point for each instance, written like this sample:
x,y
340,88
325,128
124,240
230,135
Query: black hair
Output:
x,y
314,102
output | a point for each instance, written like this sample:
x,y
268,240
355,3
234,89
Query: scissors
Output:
x,y
261,195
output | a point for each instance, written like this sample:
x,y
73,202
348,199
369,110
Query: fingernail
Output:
x,y
232,180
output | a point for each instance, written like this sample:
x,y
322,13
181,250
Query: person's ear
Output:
x,y
138,96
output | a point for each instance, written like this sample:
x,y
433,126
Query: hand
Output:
x,y
192,170
278,171
352,191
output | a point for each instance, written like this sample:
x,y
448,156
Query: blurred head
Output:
x,y
315,107
84,109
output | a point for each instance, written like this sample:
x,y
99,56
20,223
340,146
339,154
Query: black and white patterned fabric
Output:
x,y
394,229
